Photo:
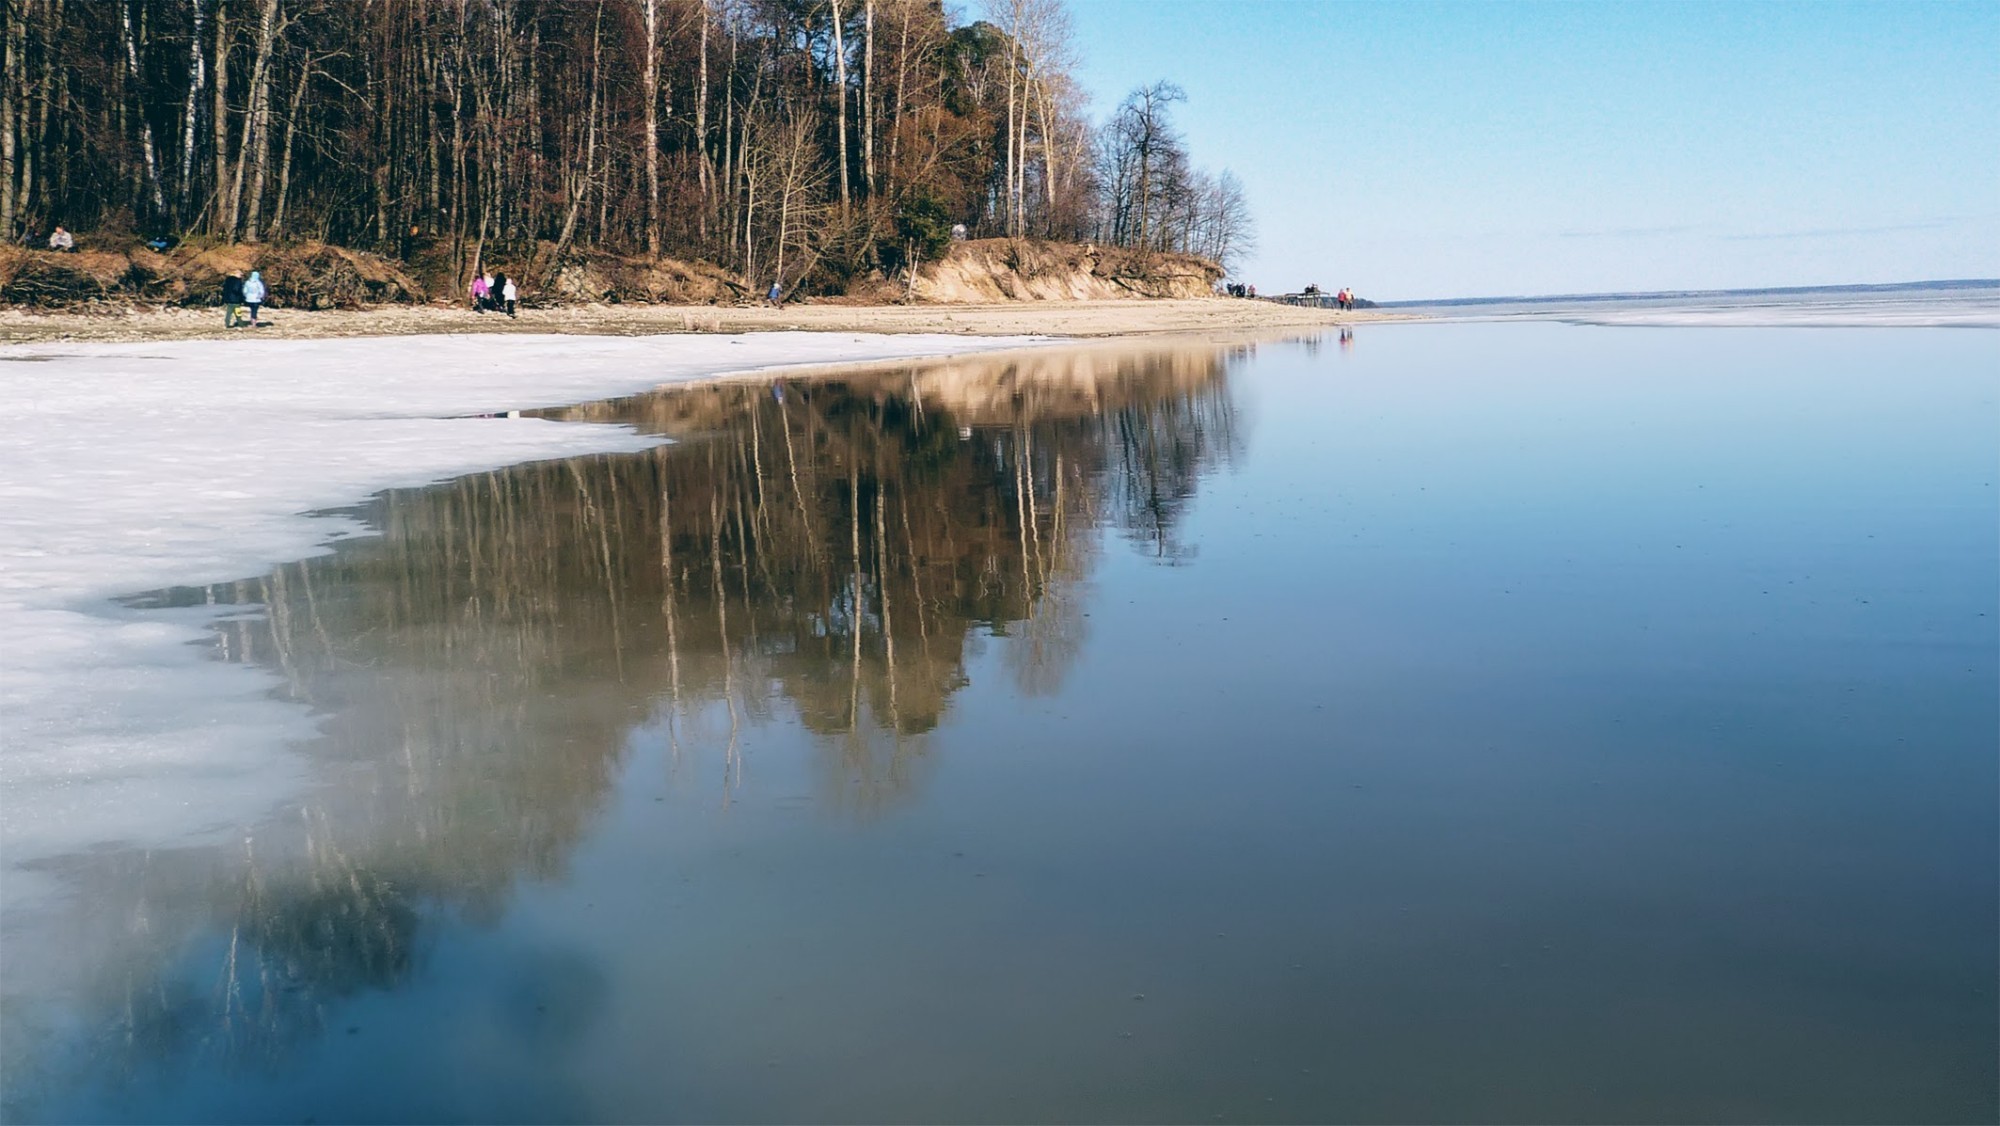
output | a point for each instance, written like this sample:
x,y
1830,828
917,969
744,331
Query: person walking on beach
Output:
x,y
253,296
509,294
482,289
232,299
61,241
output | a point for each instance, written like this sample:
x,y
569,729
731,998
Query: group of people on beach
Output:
x,y
496,292
240,293
1344,299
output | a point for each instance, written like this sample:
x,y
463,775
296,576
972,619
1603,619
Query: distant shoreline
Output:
x,y
1861,289
1135,317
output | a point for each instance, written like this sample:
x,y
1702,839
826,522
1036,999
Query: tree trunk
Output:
x,y
735,175
590,132
1007,195
902,95
291,135
701,130
219,125
137,77
1041,91
197,79
651,86
259,152
44,120
840,94
11,64
868,96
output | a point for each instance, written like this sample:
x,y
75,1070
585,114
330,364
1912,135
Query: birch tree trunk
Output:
x,y
197,80
651,85
259,89
137,78
1013,68
868,97
902,94
260,119
840,94
702,169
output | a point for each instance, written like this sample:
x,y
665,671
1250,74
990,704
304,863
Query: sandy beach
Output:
x,y
1078,318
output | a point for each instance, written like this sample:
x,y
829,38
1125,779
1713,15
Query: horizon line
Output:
x,y
1852,287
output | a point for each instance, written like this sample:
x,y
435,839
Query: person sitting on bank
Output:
x,y
482,290
61,241
775,297
232,299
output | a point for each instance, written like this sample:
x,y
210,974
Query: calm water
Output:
x,y
1482,722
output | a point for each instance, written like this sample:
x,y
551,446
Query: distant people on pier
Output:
x,y
61,241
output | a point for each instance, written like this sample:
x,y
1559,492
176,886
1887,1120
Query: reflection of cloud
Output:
x,y
1846,232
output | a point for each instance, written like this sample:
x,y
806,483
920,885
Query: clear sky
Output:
x,y
1447,150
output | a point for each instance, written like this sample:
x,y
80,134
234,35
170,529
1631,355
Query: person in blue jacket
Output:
x,y
253,295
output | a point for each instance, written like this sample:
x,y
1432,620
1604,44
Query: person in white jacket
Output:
x,y
509,294
253,295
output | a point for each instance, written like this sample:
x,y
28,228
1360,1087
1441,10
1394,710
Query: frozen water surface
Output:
x,y
1487,722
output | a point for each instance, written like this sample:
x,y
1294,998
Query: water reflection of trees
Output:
x,y
834,549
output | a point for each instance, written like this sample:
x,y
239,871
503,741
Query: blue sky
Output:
x,y
1443,150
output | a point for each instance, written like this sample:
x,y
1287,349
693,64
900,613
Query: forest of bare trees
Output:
x,y
775,138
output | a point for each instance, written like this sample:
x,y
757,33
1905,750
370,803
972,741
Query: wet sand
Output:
x,y
1078,318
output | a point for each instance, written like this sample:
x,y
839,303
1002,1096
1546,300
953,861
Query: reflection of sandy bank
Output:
x,y
995,388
